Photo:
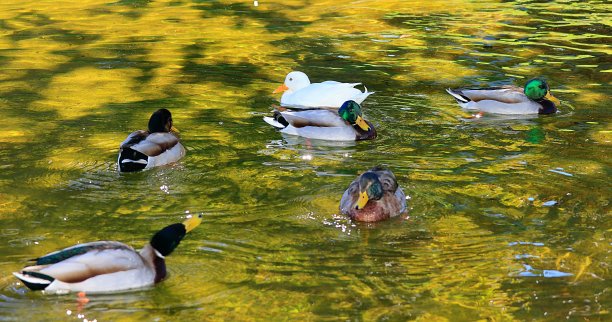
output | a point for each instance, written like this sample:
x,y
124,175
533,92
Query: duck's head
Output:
x,y
537,89
166,240
293,82
161,121
350,111
370,188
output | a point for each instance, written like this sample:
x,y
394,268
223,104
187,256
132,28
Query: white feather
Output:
x,y
302,93
169,156
336,133
31,279
273,122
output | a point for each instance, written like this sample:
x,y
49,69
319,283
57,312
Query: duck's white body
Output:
x,y
315,124
104,267
300,93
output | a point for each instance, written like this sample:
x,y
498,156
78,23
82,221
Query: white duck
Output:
x,y
155,147
299,92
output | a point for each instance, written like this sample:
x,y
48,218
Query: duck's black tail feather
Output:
x,y
34,280
462,99
277,120
131,160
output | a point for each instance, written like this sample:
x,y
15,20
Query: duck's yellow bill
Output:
x,y
280,89
363,200
192,223
173,129
552,99
362,123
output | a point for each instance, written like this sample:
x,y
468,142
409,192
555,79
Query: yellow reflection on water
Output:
x,y
78,76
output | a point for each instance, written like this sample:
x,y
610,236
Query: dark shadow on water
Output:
x,y
274,20
234,74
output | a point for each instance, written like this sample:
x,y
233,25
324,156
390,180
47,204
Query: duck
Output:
x,y
156,146
106,266
534,98
298,92
346,124
373,196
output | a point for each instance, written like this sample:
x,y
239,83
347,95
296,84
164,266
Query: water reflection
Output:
x,y
78,76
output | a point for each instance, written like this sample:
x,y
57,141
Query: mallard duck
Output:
x,y
106,266
347,124
535,98
155,147
373,196
299,92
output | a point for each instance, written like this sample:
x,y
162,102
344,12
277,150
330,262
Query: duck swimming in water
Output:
x,y
157,146
347,124
106,266
298,92
534,98
373,196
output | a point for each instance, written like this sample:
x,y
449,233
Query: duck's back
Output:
x,y
142,150
326,94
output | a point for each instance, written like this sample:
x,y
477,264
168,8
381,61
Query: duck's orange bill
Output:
x,y
362,123
280,89
552,99
192,223
363,200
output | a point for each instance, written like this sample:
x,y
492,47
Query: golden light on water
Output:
x,y
490,197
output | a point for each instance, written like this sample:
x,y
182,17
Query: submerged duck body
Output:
x,y
105,266
534,98
298,92
373,196
347,124
157,146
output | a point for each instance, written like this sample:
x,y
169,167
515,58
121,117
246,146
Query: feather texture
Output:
x,y
510,100
155,147
300,93
391,204
106,266
319,125
92,267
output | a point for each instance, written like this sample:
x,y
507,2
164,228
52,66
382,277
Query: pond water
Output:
x,y
509,217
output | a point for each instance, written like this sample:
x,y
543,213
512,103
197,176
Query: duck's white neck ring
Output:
x,y
158,254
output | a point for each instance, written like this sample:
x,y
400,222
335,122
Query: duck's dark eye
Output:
x,y
290,79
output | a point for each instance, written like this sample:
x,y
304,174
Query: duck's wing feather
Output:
x,y
318,118
156,144
96,261
350,196
506,94
134,138
401,197
338,84
386,178
63,254
392,203
326,94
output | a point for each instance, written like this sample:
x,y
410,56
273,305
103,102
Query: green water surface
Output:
x,y
500,207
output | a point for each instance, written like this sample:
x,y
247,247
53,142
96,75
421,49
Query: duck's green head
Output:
x,y
161,121
370,188
537,89
350,111
166,240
